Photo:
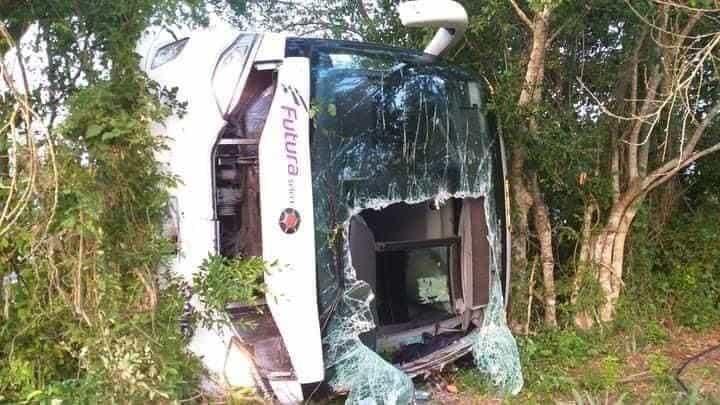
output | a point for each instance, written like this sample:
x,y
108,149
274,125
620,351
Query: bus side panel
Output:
x,y
288,230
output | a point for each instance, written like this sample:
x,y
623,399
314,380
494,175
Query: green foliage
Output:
x,y
695,297
548,357
659,365
222,280
692,278
473,382
588,398
129,357
590,293
603,376
91,318
701,3
677,276
341,19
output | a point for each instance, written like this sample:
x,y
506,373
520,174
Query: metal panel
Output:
x,y
288,228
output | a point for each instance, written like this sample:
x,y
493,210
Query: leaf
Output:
x,y
110,135
93,131
68,222
332,110
33,395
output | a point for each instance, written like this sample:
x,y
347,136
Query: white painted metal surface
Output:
x,y
272,49
288,229
210,73
449,16
190,141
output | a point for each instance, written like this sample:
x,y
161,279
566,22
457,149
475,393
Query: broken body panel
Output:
x,y
372,181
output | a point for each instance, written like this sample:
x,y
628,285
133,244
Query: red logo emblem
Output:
x,y
289,220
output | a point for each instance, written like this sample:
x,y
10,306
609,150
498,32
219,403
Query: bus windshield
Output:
x,y
389,119
392,131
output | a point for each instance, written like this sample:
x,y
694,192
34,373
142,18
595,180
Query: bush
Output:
x,y
133,357
676,277
86,320
222,281
603,376
548,357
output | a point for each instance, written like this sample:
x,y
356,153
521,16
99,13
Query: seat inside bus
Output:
x,y
427,263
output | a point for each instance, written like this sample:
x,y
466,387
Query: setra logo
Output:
x,y
289,220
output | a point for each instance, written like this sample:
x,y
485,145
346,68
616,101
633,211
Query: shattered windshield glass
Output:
x,y
395,129
389,127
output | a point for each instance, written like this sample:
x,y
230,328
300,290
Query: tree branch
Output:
x,y
697,134
686,7
557,32
361,9
692,22
522,15
659,177
648,108
649,23
664,172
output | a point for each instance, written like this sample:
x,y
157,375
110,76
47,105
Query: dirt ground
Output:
x,y
703,373
645,376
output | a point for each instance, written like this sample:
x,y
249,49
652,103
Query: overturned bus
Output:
x,y
373,181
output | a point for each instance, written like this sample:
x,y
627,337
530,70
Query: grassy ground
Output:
x,y
635,365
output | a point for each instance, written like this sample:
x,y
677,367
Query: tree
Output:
x,y
567,84
340,19
526,192
661,124
82,204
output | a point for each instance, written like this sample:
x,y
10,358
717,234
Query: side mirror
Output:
x,y
448,15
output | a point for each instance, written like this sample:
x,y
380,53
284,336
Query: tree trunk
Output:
x,y
522,198
543,228
522,201
535,72
611,271
583,320
603,255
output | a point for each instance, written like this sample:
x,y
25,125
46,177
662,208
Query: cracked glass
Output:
x,y
388,127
